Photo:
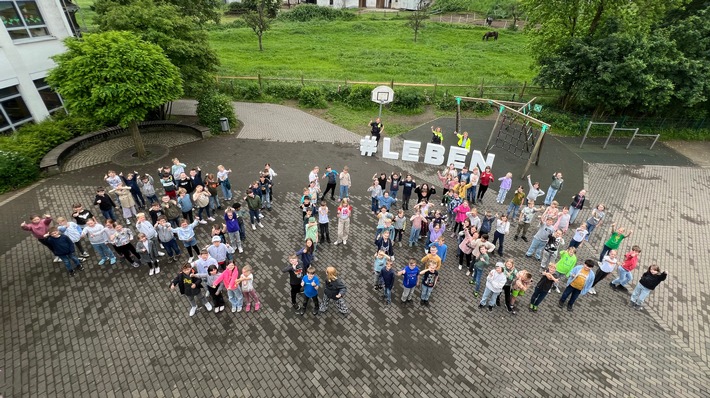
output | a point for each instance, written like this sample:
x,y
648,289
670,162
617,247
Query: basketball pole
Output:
x,y
495,128
379,115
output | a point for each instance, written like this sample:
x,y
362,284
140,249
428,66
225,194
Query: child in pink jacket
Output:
x,y
461,211
229,277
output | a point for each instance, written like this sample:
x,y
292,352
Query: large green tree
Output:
x,y
115,77
182,39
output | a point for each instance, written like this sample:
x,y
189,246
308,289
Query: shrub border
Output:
x,y
52,162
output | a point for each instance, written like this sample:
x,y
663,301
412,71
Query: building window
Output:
x,y
22,19
13,111
51,99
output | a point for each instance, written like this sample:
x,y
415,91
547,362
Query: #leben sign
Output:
x,y
434,154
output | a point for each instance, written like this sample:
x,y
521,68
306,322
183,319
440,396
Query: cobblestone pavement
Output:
x,y
102,152
115,331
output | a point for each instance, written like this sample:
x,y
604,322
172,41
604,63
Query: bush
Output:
x,y
237,8
247,92
359,97
312,97
17,171
444,6
339,93
283,91
33,141
407,100
213,106
310,12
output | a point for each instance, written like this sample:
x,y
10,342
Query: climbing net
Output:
x,y
516,136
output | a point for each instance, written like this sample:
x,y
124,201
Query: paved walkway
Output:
x,y
115,331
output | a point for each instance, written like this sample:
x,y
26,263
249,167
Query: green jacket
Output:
x,y
566,263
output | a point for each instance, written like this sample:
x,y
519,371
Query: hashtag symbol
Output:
x,y
368,146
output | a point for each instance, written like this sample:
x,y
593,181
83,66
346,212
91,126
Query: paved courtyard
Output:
x,y
115,332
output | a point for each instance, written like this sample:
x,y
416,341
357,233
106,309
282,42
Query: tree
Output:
x,y
115,77
507,9
201,11
182,39
259,19
418,16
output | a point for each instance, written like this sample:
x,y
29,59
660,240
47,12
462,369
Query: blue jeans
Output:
x,y
236,298
226,192
265,200
108,214
476,277
201,209
373,206
501,195
171,247
393,194
471,195
573,212
489,298
68,258
414,235
624,277
426,292
605,250
214,202
640,293
538,295
512,211
153,199
572,293
344,192
590,228
254,216
551,192
102,250
536,247
387,294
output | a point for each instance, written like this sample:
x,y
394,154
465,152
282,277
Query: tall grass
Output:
x,y
375,50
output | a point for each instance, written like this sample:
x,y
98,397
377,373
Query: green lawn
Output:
x,y
375,50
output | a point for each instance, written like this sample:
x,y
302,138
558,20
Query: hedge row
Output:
x,y
406,100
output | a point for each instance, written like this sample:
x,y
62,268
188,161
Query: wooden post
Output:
x,y
302,83
495,127
534,153
392,84
258,76
480,90
525,85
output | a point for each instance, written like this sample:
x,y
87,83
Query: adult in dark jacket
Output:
x,y
190,287
335,291
648,282
63,248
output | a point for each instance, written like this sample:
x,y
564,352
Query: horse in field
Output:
x,y
490,34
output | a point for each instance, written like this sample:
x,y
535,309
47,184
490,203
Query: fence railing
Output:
x,y
646,123
516,90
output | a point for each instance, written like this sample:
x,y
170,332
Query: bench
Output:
x,y
52,162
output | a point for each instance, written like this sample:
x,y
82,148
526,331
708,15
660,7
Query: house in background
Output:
x,y
393,4
32,32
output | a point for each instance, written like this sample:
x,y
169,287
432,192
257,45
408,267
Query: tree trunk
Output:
x,y
137,140
260,47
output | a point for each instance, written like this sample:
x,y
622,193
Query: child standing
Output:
x,y
310,284
543,287
416,228
229,278
254,205
344,213
121,239
552,248
295,274
145,183
595,220
494,285
105,203
410,280
167,238
526,217
505,184
125,198
335,291
149,253
98,239
80,214
73,232
323,232
400,221
345,183
223,177
614,240
519,287
630,263
605,268
568,259
578,284
250,296
579,234
502,228
478,266
515,203
190,286
186,233
215,292
563,220
387,275
429,278
381,260
63,248
648,282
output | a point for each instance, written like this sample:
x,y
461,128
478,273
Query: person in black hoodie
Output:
x,y
105,203
335,291
190,287
649,280
295,274
63,248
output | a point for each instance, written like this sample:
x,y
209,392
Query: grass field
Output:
x,y
375,50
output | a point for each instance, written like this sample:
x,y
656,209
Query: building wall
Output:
x,y
24,60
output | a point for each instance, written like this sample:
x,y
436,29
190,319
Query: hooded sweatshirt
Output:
x,y
97,234
40,229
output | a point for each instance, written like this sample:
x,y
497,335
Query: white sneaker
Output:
x,y
345,242
203,222
189,260
234,309
128,222
210,218
239,309
241,250
261,225
193,310
221,308
460,267
592,291
157,270
336,243
216,310
253,227
57,260
151,272
392,258
161,254
208,306
261,216
468,273
557,289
